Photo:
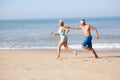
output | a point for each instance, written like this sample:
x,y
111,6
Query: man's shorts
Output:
x,y
87,41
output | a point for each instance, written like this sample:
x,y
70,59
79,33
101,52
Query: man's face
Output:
x,y
82,22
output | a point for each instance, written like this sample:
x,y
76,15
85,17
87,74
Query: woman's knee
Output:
x,y
65,47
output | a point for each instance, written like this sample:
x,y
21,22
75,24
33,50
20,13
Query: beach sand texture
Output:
x,y
43,65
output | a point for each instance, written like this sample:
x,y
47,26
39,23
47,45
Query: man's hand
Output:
x,y
97,36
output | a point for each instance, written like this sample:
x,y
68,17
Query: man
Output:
x,y
87,43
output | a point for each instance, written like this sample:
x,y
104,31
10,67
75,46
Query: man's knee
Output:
x,y
83,46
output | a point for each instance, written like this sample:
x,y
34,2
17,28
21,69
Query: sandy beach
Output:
x,y
43,65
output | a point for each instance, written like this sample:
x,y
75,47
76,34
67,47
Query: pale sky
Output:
x,y
32,9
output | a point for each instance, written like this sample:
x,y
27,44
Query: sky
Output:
x,y
36,9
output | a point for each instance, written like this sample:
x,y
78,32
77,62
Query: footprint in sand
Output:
x,y
28,69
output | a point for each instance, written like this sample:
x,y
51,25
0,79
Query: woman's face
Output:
x,y
61,23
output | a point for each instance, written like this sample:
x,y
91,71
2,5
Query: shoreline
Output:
x,y
64,53
83,50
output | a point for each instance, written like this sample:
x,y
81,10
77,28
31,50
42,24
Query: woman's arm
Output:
x,y
55,34
66,28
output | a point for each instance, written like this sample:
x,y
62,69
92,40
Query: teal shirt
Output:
x,y
62,34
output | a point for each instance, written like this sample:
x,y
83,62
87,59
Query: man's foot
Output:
x,y
93,52
96,57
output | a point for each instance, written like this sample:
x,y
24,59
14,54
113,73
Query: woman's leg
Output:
x,y
59,48
69,49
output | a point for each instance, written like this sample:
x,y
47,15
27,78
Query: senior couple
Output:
x,y
87,42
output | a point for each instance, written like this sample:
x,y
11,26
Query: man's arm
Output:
x,y
75,27
93,28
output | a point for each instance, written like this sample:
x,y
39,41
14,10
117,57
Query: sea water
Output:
x,y
36,33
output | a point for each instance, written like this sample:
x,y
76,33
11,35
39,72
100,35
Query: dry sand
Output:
x,y
43,65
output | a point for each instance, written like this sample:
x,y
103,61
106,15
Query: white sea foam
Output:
x,y
100,46
74,46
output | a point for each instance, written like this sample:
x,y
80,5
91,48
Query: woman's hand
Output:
x,y
53,34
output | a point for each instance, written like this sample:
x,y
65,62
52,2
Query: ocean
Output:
x,y
36,33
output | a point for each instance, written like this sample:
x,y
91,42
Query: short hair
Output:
x,y
61,22
83,20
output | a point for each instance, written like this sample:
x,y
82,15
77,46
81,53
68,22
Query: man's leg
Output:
x,y
91,50
87,44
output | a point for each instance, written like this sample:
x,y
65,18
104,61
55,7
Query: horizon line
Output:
x,y
60,18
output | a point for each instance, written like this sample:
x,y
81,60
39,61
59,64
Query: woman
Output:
x,y
63,41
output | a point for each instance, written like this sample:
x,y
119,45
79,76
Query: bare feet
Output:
x,y
93,52
75,52
57,57
96,57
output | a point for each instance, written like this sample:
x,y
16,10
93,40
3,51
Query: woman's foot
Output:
x,y
75,52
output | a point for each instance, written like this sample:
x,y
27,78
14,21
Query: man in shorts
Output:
x,y
87,42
